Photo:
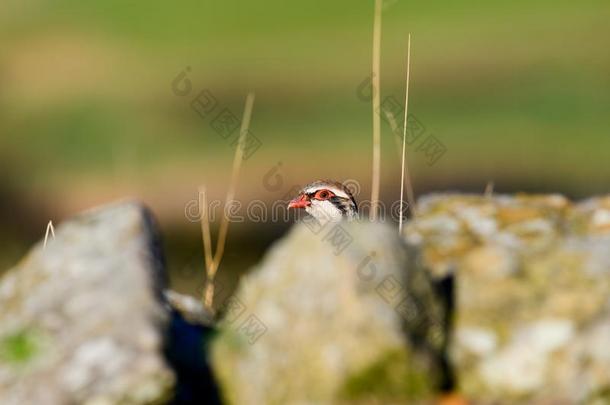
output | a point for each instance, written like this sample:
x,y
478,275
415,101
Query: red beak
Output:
x,y
300,202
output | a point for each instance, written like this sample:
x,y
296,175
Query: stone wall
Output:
x,y
502,299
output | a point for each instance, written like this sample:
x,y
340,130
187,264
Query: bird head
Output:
x,y
326,201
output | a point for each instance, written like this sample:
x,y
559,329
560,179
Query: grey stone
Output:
x,y
328,319
82,320
532,293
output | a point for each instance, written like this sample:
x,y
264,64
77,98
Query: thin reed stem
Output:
x,y
404,166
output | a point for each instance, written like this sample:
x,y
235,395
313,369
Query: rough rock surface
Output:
x,y
81,321
532,293
323,320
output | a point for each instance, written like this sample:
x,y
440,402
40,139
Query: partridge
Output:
x,y
326,200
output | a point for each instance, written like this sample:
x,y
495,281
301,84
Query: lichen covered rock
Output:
x,y
327,318
82,320
532,293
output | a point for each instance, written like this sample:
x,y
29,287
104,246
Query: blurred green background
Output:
x,y
518,93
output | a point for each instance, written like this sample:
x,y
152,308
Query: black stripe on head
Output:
x,y
337,202
353,202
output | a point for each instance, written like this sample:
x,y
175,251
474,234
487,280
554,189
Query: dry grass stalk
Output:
x,y
394,126
224,224
50,230
376,108
489,189
205,229
404,166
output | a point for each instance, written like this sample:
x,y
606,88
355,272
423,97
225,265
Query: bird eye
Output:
x,y
323,195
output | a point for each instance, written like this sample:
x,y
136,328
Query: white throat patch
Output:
x,y
324,211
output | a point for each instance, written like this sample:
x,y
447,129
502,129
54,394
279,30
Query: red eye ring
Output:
x,y
323,194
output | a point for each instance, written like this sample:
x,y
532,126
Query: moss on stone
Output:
x,y
20,347
601,396
391,378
